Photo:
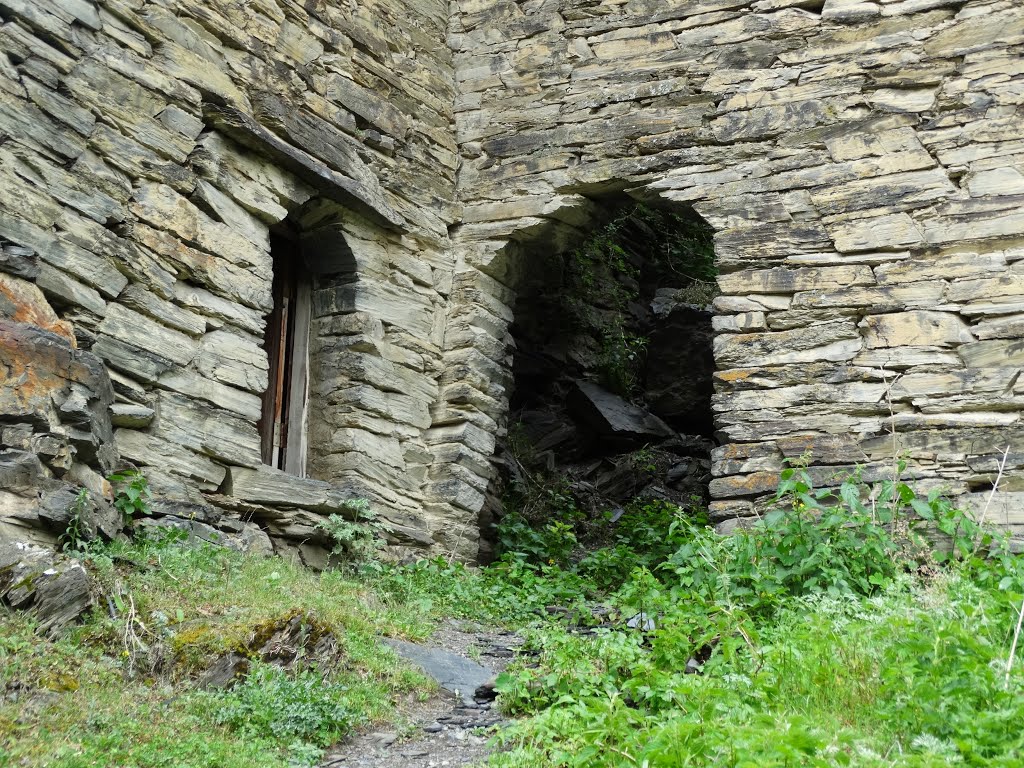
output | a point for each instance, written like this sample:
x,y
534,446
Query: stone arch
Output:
x,y
479,339
865,231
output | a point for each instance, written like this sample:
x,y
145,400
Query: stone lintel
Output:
x,y
332,184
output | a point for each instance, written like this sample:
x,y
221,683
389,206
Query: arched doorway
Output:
x,y
612,368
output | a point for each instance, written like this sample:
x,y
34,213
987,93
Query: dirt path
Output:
x,y
453,728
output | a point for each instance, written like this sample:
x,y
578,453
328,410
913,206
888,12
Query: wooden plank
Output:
x,y
298,390
275,352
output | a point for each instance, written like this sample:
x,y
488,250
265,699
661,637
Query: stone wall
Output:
x,y
147,147
862,164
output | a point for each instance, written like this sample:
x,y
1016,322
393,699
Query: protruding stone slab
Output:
x,y
272,487
245,130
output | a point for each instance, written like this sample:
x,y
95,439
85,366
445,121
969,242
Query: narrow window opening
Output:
x,y
283,423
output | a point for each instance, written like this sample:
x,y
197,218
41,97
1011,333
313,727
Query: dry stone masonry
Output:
x,y
147,152
862,164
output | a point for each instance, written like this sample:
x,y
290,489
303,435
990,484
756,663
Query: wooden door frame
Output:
x,y
282,425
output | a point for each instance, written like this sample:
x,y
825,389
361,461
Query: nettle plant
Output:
x,y
131,494
862,624
856,538
131,498
74,536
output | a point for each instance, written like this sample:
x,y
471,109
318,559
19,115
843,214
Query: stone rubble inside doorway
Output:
x,y
613,369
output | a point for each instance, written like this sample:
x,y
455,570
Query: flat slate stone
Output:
x,y
452,672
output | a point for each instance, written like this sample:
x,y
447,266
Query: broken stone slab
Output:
x,y
140,331
300,526
43,372
192,532
20,469
249,540
173,497
915,328
832,341
61,506
999,352
296,639
56,589
406,535
131,415
781,280
313,555
152,451
19,261
23,302
610,417
19,521
253,540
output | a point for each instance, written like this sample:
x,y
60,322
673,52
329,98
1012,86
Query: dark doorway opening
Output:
x,y
613,366
283,423
629,309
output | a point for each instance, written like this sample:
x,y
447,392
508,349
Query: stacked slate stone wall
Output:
x,y
147,147
862,164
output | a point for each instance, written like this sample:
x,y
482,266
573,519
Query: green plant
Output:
x,y
863,625
552,542
519,444
854,539
74,536
644,535
601,551
358,539
773,646
700,292
301,707
621,360
644,460
131,493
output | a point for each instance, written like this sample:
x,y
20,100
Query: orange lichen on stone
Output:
x,y
23,302
745,485
735,374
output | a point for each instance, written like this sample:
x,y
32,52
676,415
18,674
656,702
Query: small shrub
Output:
x,y
832,632
354,540
604,551
620,362
552,543
74,536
